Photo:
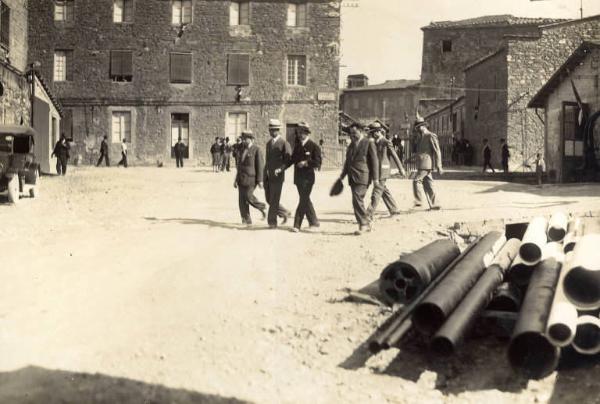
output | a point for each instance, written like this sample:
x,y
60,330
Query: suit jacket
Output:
x,y
311,153
279,155
104,147
361,162
385,151
429,155
250,167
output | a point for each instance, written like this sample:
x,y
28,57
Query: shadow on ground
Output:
x,y
577,379
38,385
568,190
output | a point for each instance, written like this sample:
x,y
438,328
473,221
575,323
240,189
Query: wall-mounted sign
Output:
x,y
326,96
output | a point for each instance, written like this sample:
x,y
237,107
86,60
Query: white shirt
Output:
x,y
274,139
124,147
305,140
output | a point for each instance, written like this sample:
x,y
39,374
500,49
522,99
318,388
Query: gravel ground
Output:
x,y
140,285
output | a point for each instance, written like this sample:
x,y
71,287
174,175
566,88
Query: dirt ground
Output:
x,y
140,285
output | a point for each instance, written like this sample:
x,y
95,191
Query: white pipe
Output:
x,y
582,282
574,232
562,323
557,226
534,240
587,338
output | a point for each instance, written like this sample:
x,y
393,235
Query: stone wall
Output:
x,y
16,54
151,37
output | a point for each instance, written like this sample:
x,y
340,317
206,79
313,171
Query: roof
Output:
x,y
539,100
451,104
493,21
17,130
49,93
483,59
387,85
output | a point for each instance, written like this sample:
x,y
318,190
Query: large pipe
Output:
x,y
507,297
582,283
530,351
520,272
534,240
562,322
462,318
574,232
437,306
587,337
403,280
392,331
557,226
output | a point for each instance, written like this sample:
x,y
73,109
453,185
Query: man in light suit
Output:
x,y
279,155
361,168
385,152
429,157
249,175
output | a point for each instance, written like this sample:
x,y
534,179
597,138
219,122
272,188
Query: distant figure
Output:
x,y
179,150
124,152
215,151
487,156
505,155
104,152
249,176
227,149
468,152
237,149
540,168
429,157
61,152
321,143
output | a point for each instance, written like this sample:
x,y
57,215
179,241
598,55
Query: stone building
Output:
x,y
500,85
151,71
565,127
393,102
448,121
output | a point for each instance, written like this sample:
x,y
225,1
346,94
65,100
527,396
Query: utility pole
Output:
x,y
581,9
452,79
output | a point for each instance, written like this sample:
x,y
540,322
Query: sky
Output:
x,y
383,38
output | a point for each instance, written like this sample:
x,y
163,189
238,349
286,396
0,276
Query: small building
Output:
x,y
47,114
357,80
565,127
448,121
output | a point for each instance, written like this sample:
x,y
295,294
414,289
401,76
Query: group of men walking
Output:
x,y
221,151
368,160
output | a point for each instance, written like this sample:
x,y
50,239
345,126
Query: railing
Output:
x,y
333,156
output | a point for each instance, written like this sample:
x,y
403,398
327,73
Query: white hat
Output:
x,y
274,123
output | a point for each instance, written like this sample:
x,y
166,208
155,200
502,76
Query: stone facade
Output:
x,y
91,97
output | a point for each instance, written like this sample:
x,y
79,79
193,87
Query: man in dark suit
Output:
x,y
306,158
279,155
179,150
104,152
428,156
385,152
249,175
361,168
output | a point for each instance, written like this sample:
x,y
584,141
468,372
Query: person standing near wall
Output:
x,y
428,156
505,155
104,154
227,149
179,150
487,156
61,151
215,154
124,152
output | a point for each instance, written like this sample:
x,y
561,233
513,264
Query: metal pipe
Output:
x,y
534,240
507,297
562,322
450,335
574,232
582,283
392,331
557,226
530,351
403,280
520,272
437,306
587,337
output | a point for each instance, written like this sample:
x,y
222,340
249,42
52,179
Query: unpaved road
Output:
x,y
140,285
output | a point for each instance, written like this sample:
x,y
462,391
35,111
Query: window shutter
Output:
x,y
121,63
245,13
181,67
68,65
291,15
5,25
187,12
234,13
69,10
301,15
302,70
127,66
238,69
128,11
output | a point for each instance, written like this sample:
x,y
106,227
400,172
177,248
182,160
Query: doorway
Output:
x,y
572,142
180,128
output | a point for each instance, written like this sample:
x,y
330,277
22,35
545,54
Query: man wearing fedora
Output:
x,y
306,158
249,175
279,155
429,157
385,152
361,168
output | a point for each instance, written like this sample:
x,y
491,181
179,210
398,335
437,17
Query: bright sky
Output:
x,y
383,38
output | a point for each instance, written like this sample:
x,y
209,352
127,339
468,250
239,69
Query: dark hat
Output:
x,y
304,126
247,134
337,188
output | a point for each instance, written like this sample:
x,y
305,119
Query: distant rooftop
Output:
x,y
387,85
493,21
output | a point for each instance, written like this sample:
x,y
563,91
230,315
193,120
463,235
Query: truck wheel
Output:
x,y
34,190
13,190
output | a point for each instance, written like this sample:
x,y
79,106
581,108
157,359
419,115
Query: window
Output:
x,y
181,68
180,128
122,11
239,13
355,103
238,69
62,65
296,70
5,25
182,12
121,126
572,130
121,65
296,15
63,10
446,45
236,123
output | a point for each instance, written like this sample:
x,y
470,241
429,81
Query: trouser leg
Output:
x,y
376,197
301,209
100,160
418,185
388,198
429,191
244,205
63,163
358,203
274,197
311,215
58,166
253,200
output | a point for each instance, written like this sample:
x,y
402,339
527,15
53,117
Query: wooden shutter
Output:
x,y
238,69
301,15
181,67
187,12
68,65
128,11
245,13
5,25
121,63
69,11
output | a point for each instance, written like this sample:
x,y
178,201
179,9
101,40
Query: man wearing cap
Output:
x,y
428,156
249,175
385,151
306,158
361,168
279,154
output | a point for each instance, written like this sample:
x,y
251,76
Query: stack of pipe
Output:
x,y
574,232
562,322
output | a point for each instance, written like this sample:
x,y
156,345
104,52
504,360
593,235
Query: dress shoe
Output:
x,y
295,230
284,219
435,207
